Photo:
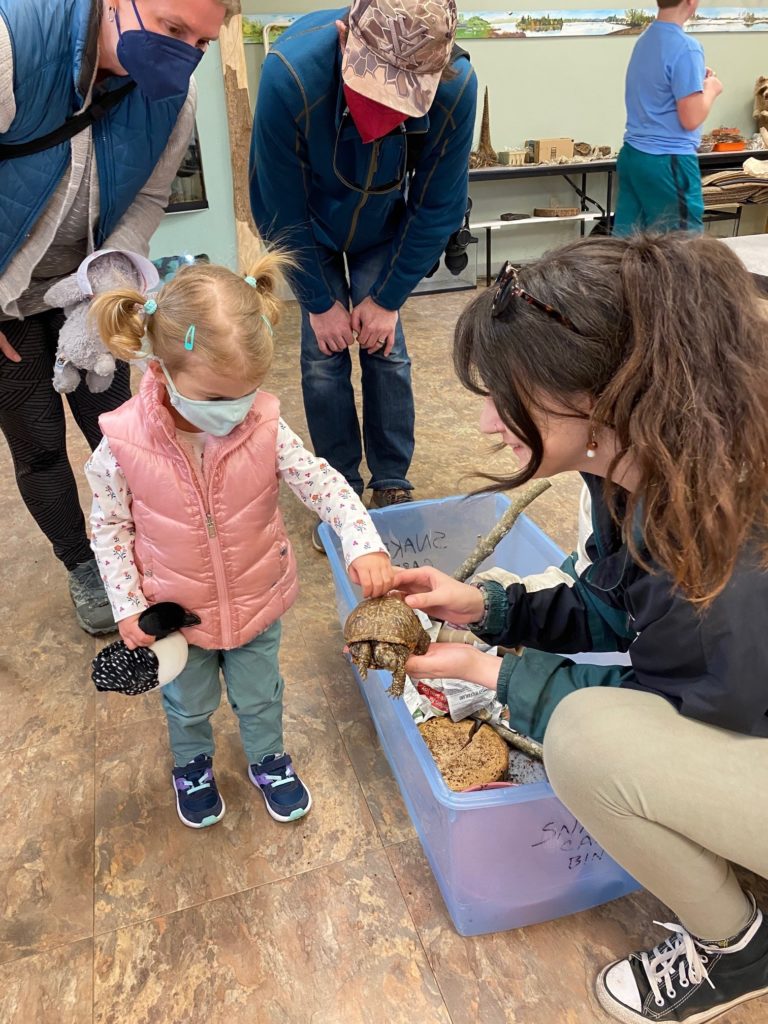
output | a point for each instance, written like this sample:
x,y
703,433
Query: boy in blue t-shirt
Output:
x,y
669,94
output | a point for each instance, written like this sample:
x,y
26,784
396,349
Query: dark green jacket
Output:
x,y
712,665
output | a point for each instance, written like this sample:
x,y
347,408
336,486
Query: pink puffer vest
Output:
x,y
218,549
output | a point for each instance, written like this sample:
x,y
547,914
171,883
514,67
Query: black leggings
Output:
x,y
32,420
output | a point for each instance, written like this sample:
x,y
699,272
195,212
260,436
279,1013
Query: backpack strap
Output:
x,y
71,127
415,143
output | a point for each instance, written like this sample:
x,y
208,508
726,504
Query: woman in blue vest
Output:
x,y
71,185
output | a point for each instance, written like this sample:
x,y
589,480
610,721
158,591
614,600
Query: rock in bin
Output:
x,y
382,633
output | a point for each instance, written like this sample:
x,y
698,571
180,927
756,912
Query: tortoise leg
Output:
x,y
398,675
361,656
384,655
423,645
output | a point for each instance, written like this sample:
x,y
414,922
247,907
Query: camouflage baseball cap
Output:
x,y
397,49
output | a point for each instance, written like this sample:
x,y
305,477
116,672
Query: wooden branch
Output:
x,y
240,122
451,635
488,544
515,739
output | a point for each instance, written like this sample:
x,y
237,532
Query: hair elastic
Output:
x,y
145,349
251,280
189,340
150,307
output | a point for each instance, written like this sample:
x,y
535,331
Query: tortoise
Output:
x,y
383,632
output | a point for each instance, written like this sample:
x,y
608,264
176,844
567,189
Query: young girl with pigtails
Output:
x,y
185,509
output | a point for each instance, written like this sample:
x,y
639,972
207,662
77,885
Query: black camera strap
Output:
x,y
71,127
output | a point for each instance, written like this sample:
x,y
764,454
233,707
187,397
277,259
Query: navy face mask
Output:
x,y
161,66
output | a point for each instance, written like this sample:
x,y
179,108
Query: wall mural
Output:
x,y
602,22
540,24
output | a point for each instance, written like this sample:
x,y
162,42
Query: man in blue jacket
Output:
x,y
359,160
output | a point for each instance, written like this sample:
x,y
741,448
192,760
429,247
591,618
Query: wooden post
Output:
x,y
240,124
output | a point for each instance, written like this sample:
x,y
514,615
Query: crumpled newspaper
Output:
x,y
756,167
436,698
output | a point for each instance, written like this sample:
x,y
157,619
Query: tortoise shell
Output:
x,y
386,619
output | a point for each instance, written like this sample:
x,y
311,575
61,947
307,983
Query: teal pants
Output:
x,y
254,689
658,193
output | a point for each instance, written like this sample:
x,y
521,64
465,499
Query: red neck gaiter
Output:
x,y
373,120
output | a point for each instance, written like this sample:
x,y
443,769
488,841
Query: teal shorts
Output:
x,y
658,193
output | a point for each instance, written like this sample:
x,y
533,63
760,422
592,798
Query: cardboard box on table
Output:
x,y
543,150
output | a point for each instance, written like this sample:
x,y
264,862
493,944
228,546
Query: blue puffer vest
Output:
x,y
54,55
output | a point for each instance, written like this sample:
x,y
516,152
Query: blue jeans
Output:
x,y
329,398
255,692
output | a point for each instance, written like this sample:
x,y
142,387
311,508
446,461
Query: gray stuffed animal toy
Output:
x,y
80,347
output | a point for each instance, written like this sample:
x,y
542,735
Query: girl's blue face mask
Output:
x,y
161,66
217,417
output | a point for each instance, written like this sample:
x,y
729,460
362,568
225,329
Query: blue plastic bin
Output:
x,y
503,858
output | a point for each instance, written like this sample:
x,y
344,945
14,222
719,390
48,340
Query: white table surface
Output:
x,y
752,250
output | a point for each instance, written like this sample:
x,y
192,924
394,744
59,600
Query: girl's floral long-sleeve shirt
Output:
x,y
312,480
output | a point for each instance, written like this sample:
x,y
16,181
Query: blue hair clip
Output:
x,y
266,320
150,307
189,340
251,281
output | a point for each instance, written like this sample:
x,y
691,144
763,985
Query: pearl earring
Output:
x,y
591,444
110,14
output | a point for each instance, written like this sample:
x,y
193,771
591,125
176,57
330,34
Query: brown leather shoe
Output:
x,y
390,496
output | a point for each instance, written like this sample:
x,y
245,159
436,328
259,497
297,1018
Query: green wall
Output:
x,y
570,86
575,86
210,231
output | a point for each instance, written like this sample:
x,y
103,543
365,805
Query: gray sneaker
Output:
x,y
92,607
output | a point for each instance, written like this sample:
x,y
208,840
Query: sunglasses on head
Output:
x,y
508,287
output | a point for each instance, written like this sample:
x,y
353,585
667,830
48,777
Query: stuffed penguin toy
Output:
x,y
118,669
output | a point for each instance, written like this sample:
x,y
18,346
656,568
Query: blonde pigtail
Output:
x,y
205,312
121,321
269,272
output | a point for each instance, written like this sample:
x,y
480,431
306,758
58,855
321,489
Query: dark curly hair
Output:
x,y
671,349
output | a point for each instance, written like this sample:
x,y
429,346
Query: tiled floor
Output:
x,y
114,913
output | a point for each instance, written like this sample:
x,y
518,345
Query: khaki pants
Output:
x,y
673,800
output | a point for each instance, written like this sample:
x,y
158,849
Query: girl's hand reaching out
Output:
x,y
373,574
440,596
131,635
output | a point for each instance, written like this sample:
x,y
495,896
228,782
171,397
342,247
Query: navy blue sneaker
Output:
x,y
286,796
197,796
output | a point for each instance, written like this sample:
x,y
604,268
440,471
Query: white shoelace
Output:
x,y
661,964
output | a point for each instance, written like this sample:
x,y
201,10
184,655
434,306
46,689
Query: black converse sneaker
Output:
x,y
687,979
